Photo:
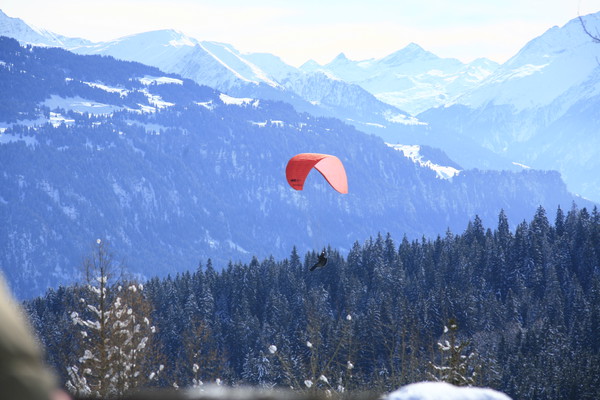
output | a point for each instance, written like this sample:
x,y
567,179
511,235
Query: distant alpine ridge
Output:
x,y
536,110
265,76
411,79
541,108
309,89
172,173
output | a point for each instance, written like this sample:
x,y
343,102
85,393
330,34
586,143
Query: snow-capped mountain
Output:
x,y
411,79
17,28
213,64
540,108
223,67
564,56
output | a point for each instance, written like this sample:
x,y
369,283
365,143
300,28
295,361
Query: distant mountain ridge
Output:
x,y
172,173
412,78
221,66
536,110
265,76
540,108
17,28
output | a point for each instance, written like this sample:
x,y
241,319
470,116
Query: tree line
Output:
x,y
516,310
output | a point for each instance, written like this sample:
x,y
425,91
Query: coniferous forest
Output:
x,y
517,310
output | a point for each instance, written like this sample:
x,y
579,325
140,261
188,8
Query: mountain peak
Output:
x,y
9,25
311,65
409,53
412,46
484,62
4,17
341,58
564,57
24,33
164,36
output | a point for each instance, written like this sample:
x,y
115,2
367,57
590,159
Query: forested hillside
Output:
x,y
522,306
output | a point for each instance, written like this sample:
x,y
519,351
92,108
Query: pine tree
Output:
x,y
455,366
205,361
115,330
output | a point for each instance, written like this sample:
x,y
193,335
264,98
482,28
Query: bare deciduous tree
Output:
x,y
594,35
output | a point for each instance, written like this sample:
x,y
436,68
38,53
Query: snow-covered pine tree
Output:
x,y
455,366
114,329
87,377
135,358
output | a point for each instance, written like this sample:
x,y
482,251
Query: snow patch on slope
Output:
x,y
209,105
413,152
237,101
122,92
403,119
6,138
80,105
149,80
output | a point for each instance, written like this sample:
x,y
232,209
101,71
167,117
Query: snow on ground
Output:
x,y
57,119
237,101
110,89
444,391
82,105
79,104
206,104
271,122
415,391
521,165
403,119
376,125
413,152
8,138
156,100
148,80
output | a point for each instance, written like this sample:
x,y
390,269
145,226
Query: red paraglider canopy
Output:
x,y
329,166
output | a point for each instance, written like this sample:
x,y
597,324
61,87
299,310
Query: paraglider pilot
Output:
x,y
321,262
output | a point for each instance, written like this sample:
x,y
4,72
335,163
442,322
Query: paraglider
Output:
x,y
329,166
321,262
332,169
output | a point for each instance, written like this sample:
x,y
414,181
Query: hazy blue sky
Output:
x,y
297,30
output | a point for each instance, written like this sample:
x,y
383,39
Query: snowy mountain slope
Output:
x,y
447,169
223,67
411,79
564,56
172,173
485,128
171,51
571,145
346,101
274,65
538,109
17,28
262,75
